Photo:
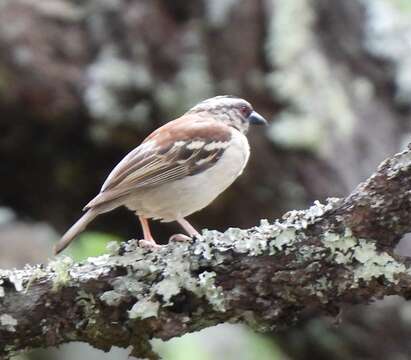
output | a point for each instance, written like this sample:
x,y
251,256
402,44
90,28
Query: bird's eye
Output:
x,y
245,110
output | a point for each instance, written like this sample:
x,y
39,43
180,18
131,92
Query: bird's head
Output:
x,y
231,110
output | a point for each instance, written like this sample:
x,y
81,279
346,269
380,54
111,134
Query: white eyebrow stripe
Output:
x,y
195,145
216,145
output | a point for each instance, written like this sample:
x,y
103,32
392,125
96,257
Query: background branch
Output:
x,y
268,276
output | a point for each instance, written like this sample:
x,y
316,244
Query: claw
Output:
x,y
180,238
147,244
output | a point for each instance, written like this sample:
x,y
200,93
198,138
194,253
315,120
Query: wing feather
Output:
x,y
176,150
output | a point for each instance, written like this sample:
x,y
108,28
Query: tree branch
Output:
x,y
267,276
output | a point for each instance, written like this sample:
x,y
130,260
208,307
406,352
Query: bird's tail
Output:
x,y
77,228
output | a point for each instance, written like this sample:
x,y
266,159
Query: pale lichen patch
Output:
x,y
123,286
312,252
8,322
1,288
317,210
112,297
363,256
375,264
301,219
247,242
234,238
167,288
99,260
143,309
129,284
286,237
212,293
204,249
279,236
340,245
17,279
174,272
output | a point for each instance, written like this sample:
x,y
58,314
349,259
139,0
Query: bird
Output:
x,y
178,169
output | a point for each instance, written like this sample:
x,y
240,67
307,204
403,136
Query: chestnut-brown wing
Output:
x,y
183,147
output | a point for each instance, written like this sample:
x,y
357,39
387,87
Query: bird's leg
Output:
x,y
188,228
148,241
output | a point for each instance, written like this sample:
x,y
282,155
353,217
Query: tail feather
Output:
x,y
77,228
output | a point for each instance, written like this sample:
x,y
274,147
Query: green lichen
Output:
x,y
61,267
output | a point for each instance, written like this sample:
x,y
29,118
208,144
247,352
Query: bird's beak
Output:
x,y
256,119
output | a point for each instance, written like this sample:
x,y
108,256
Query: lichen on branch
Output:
x,y
340,252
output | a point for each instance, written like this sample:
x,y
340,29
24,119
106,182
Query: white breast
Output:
x,y
183,197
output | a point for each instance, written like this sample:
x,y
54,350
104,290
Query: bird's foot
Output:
x,y
148,244
180,238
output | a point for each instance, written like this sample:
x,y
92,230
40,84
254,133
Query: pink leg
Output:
x,y
148,238
189,229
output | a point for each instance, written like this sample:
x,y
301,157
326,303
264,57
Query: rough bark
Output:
x,y
268,276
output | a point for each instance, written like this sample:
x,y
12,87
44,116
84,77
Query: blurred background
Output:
x,y
83,82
